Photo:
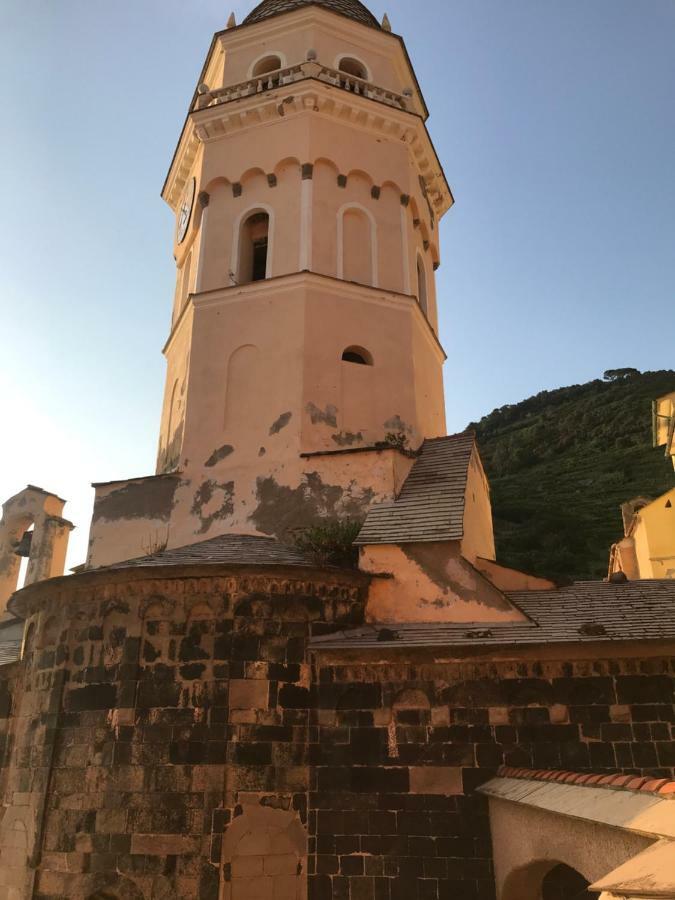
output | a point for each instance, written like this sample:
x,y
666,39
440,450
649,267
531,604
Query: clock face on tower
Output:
x,y
185,212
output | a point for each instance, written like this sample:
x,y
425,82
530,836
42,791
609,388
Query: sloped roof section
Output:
x,y
430,506
352,9
228,549
585,612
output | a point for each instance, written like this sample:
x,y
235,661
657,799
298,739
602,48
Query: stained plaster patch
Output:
x,y
451,573
148,499
281,423
397,424
282,509
212,502
327,416
347,438
218,455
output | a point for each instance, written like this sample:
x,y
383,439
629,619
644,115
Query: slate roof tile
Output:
x,y
430,506
352,9
585,612
228,549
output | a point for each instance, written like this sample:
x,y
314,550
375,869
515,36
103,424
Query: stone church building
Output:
x,y
206,711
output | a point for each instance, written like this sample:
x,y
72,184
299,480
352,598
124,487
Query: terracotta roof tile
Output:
x,y
662,786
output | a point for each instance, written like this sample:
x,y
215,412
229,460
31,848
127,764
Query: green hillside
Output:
x,y
561,464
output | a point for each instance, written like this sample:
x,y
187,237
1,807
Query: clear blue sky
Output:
x,y
555,122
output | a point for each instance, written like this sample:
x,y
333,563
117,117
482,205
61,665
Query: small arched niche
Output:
x,y
266,65
354,67
422,293
253,248
358,356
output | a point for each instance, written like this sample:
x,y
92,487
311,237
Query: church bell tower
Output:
x,y
303,354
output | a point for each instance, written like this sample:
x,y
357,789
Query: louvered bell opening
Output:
x,y
24,545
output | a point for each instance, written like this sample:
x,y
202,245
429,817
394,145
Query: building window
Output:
x,y
422,285
351,66
358,356
254,248
266,65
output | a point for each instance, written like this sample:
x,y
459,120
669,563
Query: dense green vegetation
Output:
x,y
561,464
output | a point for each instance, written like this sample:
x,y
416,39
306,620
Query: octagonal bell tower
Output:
x,y
303,352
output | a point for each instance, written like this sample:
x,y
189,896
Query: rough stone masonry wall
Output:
x,y
403,743
173,737
160,737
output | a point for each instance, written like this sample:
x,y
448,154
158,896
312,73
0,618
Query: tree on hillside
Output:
x,y
620,374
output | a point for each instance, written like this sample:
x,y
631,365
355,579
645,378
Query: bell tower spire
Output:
x,y
303,361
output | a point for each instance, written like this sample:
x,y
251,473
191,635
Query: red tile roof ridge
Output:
x,y
662,787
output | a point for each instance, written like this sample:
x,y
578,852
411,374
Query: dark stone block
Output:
x,y
293,697
645,689
584,691
187,753
94,696
365,779
253,754
209,882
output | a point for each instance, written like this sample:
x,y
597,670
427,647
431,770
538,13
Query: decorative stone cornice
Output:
x,y
72,593
310,96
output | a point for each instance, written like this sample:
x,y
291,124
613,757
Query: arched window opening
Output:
x,y
351,66
22,550
266,65
253,248
358,356
422,285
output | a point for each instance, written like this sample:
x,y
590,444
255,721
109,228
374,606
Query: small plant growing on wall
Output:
x,y
331,543
396,439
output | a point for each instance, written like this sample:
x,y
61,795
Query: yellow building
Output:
x,y
647,549
664,424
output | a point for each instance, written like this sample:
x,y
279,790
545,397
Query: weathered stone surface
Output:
x,y
174,737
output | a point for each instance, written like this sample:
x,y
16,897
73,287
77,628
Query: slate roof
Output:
x,y
430,506
352,9
585,612
228,549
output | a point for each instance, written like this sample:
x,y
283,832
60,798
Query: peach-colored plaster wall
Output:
x,y
478,540
255,376
330,36
430,583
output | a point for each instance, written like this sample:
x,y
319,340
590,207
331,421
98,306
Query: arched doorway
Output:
x,y
547,880
565,883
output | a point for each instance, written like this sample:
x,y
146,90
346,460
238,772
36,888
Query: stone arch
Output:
x,y
265,855
357,245
46,554
546,879
289,162
250,174
353,65
360,175
114,635
17,837
270,61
